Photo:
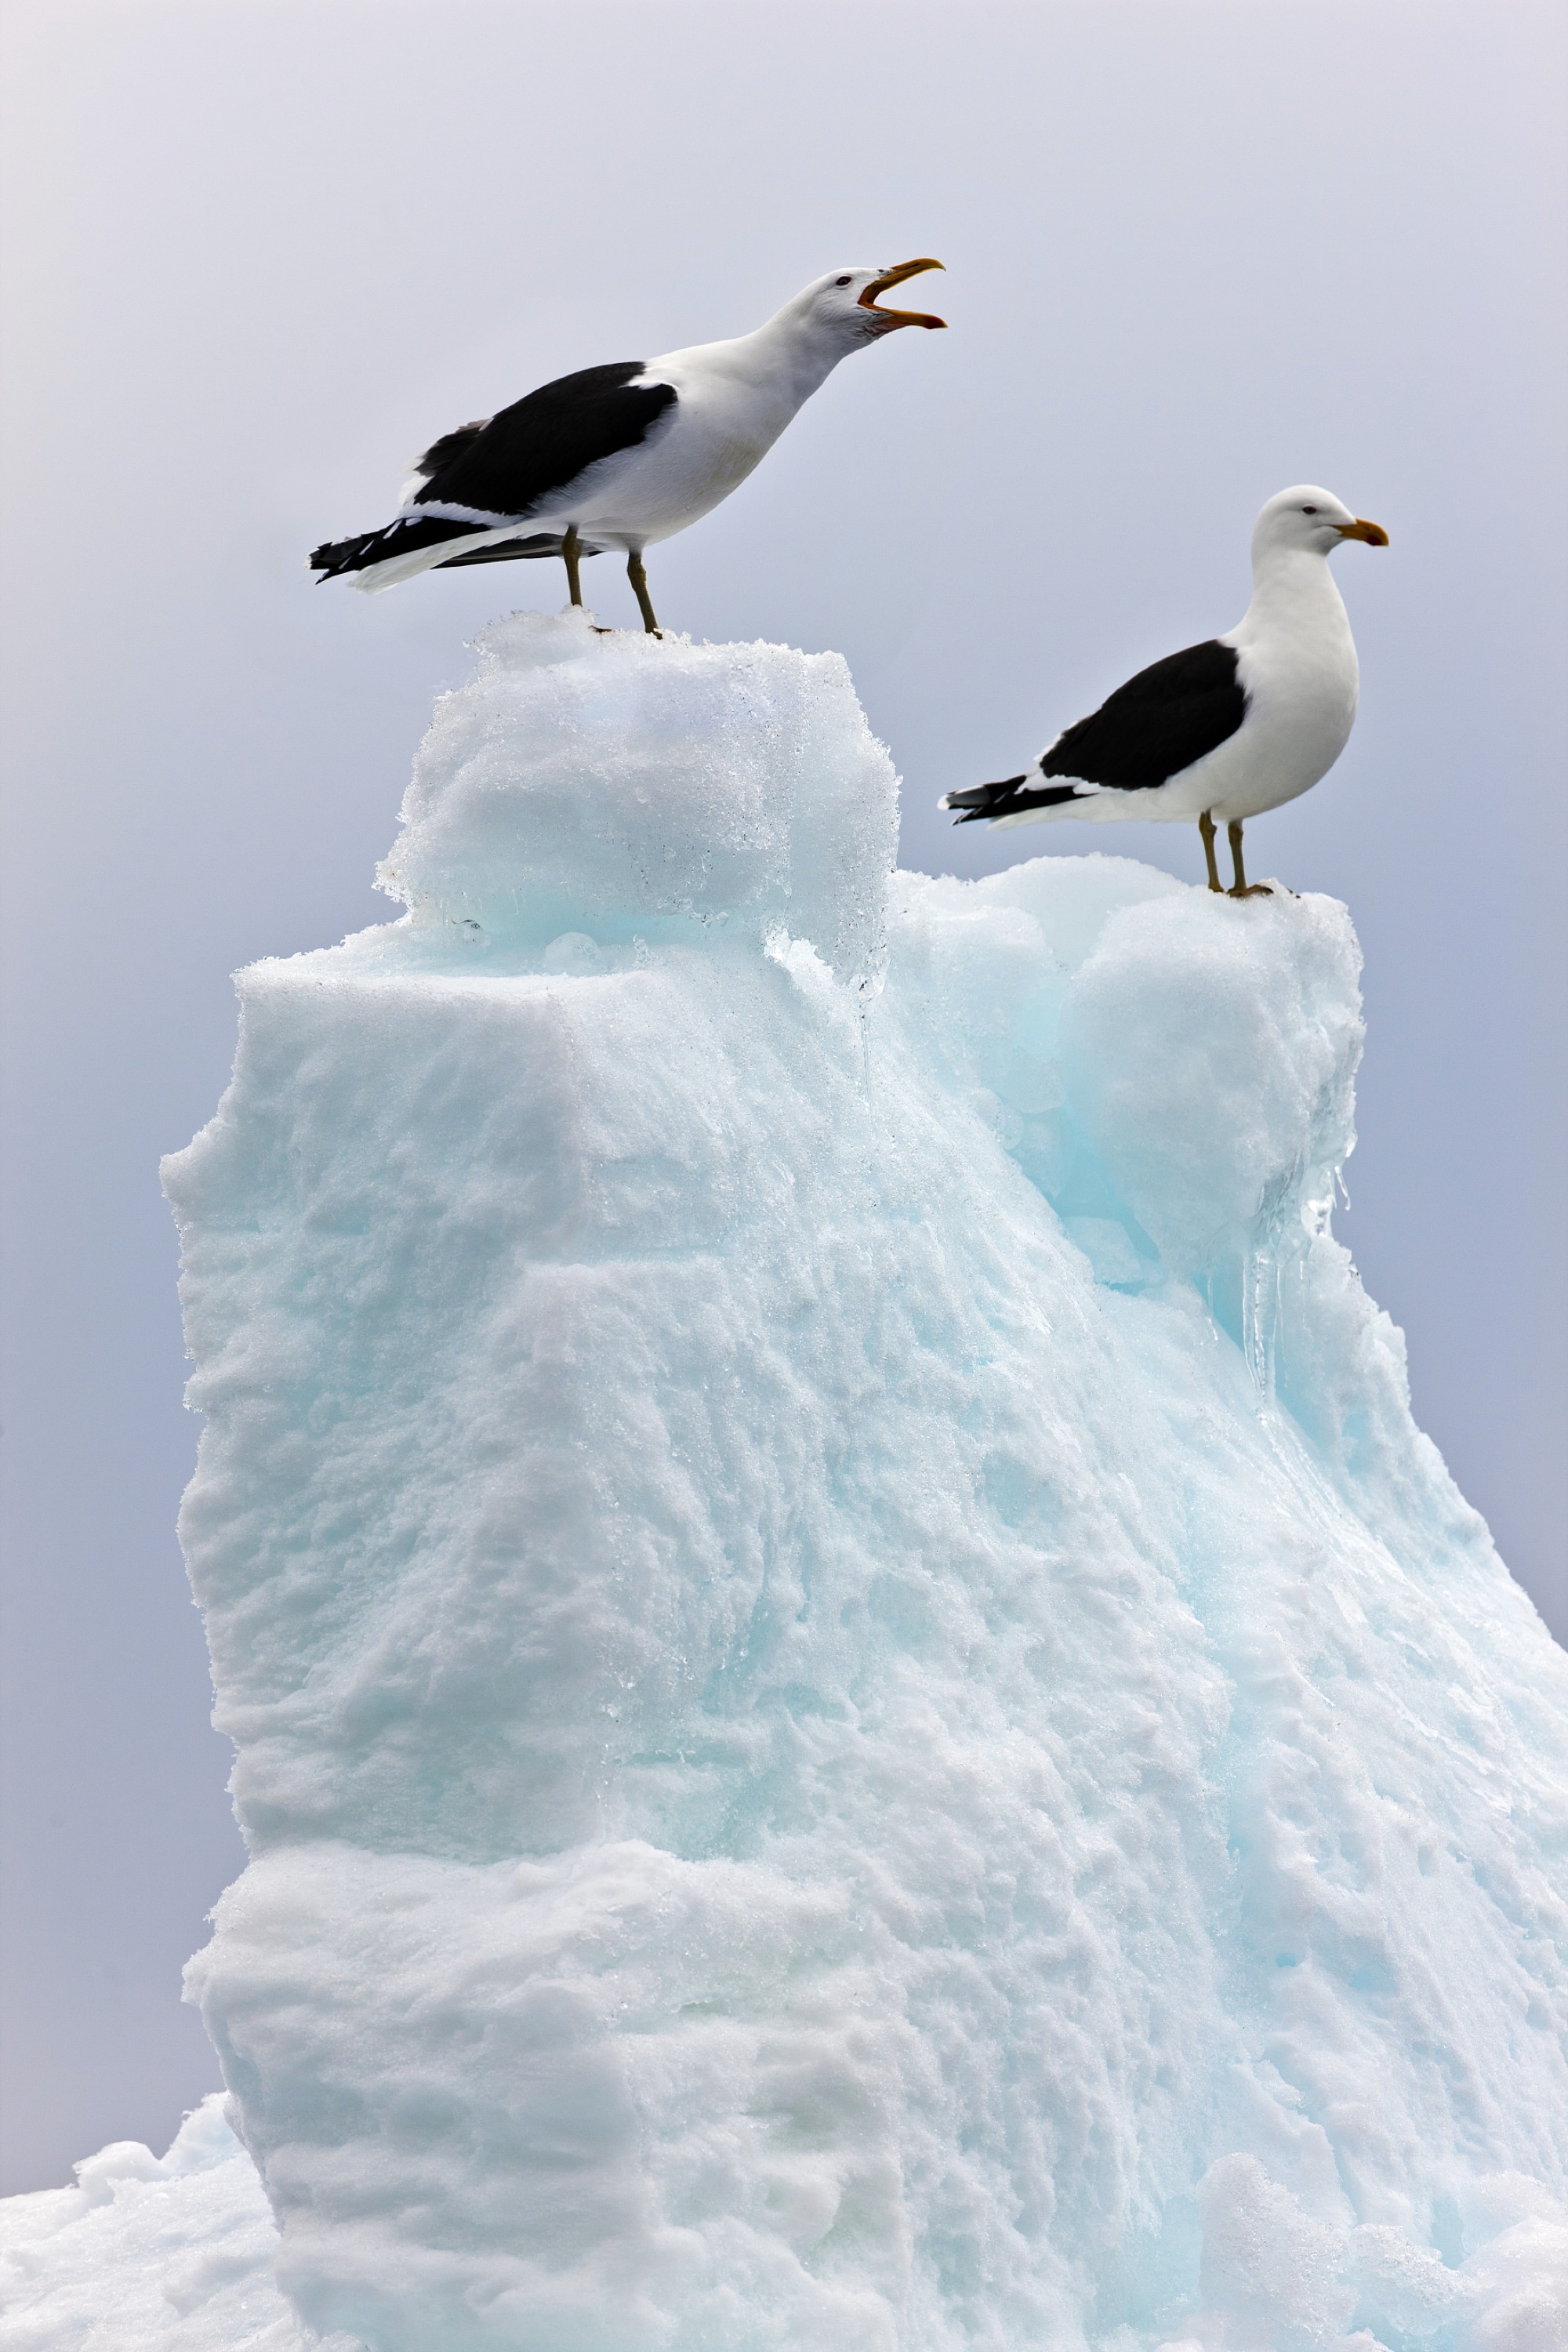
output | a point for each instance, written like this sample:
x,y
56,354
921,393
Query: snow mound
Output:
x,y
622,786
173,2253
863,1724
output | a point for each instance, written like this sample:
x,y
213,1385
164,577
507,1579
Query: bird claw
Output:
x,y
1253,890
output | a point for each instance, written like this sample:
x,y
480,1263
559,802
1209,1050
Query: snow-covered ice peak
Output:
x,y
863,1722
1179,1086
623,786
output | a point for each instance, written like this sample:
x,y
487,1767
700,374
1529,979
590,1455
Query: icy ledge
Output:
x,y
863,1723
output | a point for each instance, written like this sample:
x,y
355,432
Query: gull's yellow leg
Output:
x,y
1242,888
1205,826
639,579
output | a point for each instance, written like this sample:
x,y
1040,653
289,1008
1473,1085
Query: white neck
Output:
x,y
1290,586
785,357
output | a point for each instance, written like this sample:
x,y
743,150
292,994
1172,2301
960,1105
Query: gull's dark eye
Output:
x,y
841,281
1308,509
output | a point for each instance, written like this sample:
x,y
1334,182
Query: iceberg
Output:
x,y
862,1722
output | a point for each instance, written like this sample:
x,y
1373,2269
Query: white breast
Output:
x,y
1297,661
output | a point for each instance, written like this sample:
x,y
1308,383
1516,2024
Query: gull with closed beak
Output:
x,y
1223,730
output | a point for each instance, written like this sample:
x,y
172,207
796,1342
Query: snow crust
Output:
x,y
176,2253
863,1725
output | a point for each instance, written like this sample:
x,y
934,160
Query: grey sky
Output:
x,y
259,255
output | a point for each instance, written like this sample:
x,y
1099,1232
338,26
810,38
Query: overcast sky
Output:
x,y
259,255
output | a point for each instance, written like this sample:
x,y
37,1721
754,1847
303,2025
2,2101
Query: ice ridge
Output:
x,y
863,1725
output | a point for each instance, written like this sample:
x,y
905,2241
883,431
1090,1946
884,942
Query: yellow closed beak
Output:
x,y
1372,533
896,277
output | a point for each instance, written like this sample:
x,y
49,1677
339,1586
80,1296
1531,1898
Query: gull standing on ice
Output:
x,y
622,456
1225,729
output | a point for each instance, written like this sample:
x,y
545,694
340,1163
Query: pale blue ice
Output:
x,y
863,1723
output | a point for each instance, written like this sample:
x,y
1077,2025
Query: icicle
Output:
x,y
1261,1312
1261,1281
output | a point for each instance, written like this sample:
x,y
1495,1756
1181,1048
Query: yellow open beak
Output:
x,y
896,277
1372,533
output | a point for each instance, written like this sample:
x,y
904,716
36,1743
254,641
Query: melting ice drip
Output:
x,y
818,1776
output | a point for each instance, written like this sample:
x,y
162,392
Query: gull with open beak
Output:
x,y
620,457
1223,730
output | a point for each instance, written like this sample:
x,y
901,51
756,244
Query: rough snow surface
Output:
x,y
863,1723
542,799
175,2254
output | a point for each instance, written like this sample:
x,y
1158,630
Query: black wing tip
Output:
x,y
404,535
336,556
1006,798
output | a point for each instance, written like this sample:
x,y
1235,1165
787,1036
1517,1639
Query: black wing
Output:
x,y
1175,711
1172,713
451,445
543,441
